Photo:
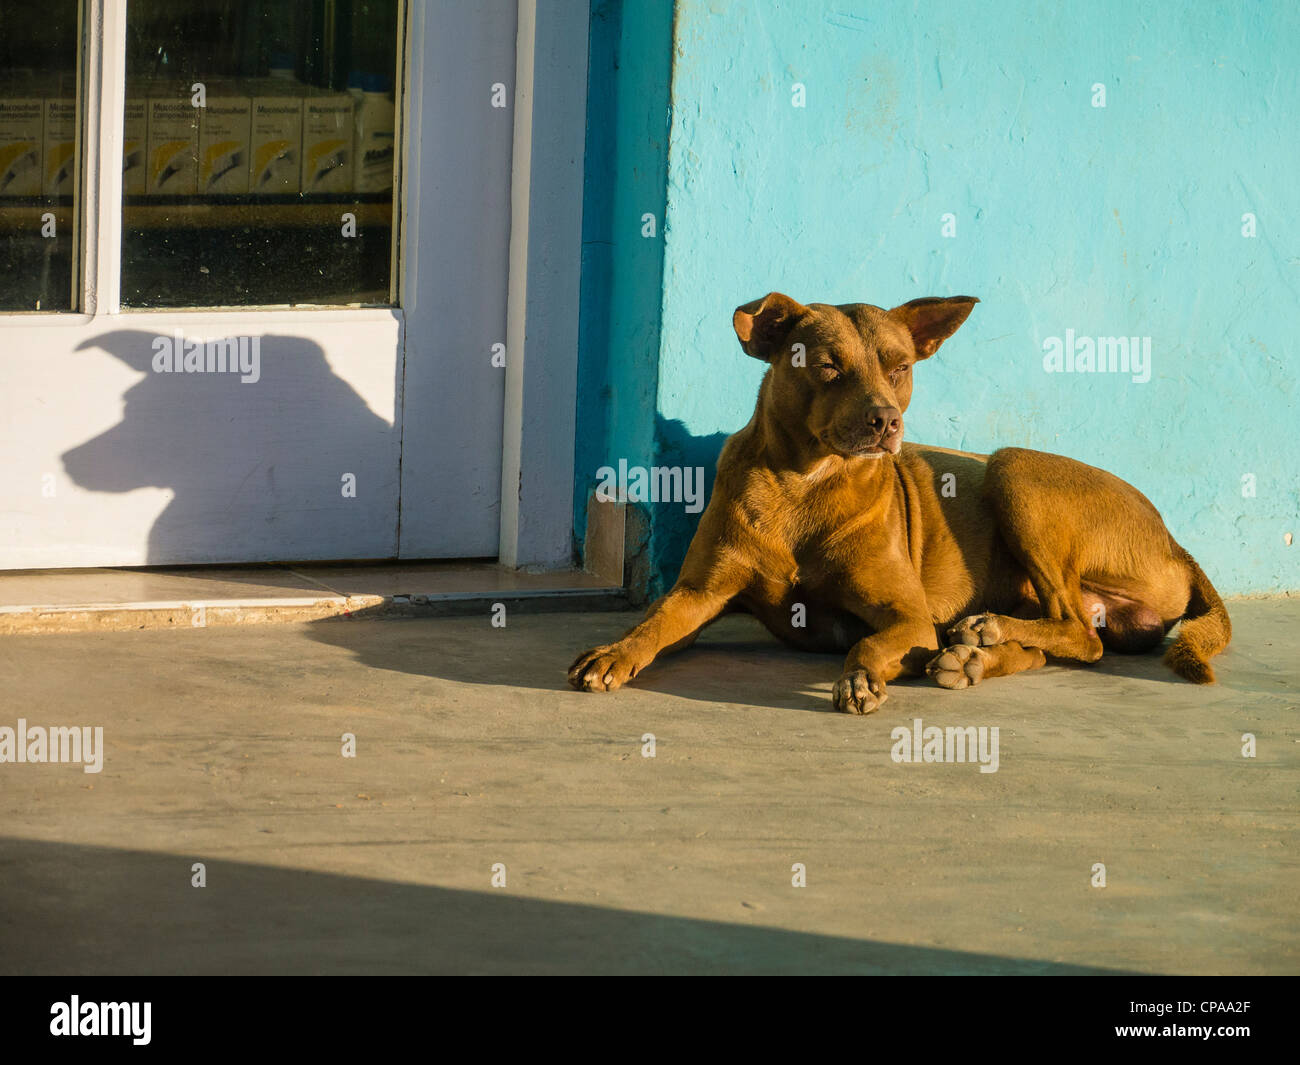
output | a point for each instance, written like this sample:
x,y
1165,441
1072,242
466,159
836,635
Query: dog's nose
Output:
x,y
884,420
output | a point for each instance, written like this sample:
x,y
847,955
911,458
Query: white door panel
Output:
x,y
106,460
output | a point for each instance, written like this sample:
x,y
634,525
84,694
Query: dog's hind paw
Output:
x,y
959,666
858,693
980,630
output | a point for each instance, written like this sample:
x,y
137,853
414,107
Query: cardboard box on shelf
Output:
x,y
135,143
375,113
22,120
60,142
173,146
225,136
276,145
327,136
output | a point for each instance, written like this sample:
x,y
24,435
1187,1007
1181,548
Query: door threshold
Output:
x,y
84,600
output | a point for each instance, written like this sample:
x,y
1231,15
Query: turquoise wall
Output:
x,y
1123,220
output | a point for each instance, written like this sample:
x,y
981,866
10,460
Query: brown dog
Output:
x,y
839,537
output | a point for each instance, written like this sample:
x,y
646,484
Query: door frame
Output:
x,y
540,426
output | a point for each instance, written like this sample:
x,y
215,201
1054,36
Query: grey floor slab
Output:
x,y
223,747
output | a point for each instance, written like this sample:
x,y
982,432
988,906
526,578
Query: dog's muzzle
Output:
x,y
879,433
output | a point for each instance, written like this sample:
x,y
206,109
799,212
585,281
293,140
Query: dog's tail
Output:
x,y
1204,630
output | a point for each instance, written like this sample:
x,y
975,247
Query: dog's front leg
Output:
x,y
672,622
713,573
903,641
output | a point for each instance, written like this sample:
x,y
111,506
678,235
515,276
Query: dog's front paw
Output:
x,y
959,666
981,630
602,669
858,693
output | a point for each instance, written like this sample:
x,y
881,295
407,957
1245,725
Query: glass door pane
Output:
x,y
259,152
38,133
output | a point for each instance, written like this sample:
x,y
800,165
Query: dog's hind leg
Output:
x,y
1036,501
963,665
1062,631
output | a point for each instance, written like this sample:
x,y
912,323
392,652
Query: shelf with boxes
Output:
x,y
271,138
262,137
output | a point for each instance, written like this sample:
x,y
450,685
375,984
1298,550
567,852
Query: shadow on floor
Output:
x,y
71,909
734,661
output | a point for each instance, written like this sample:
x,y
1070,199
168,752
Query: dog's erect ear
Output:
x,y
932,320
763,325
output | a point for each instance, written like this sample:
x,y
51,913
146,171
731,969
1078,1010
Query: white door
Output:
x,y
236,323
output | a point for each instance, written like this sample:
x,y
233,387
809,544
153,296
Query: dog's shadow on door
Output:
x,y
252,444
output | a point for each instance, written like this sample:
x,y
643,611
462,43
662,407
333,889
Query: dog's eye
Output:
x,y
898,373
827,372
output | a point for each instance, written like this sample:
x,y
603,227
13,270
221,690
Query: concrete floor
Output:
x,y
223,747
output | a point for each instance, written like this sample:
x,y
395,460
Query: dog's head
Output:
x,y
844,374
